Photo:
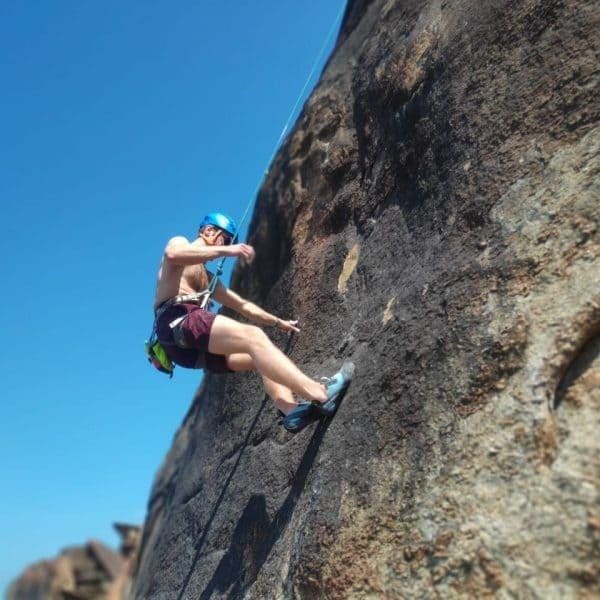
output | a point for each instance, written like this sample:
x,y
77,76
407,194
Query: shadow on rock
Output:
x,y
255,534
219,501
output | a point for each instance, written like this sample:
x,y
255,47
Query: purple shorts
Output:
x,y
195,332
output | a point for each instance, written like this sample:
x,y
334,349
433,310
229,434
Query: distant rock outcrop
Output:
x,y
433,216
89,572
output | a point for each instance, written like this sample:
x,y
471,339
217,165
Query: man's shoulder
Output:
x,y
177,239
174,244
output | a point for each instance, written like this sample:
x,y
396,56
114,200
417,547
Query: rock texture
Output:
x,y
434,217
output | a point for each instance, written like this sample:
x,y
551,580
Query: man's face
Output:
x,y
214,236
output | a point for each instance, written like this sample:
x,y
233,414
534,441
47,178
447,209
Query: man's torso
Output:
x,y
174,280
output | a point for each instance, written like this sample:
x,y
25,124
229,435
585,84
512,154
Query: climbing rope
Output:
x,y
332,29
207,526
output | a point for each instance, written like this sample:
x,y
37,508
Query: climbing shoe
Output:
x,y
299,417
336,387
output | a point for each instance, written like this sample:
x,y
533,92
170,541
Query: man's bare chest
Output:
x,y
195,277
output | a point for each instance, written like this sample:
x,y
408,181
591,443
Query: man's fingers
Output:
x,y
293,327
248,253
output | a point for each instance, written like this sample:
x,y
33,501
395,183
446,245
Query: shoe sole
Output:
x,y
307,419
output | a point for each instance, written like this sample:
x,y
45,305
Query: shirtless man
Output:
x,y
196,338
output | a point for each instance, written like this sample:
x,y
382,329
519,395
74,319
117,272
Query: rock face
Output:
x,y
434,217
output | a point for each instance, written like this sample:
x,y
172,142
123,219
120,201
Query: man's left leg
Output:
x,y
282,397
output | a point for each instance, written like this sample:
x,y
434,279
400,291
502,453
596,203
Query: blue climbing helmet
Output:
x,y
227,224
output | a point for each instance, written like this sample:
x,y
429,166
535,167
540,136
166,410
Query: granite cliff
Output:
x,y
434,217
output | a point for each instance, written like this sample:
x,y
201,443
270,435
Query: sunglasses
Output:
x,y
227,238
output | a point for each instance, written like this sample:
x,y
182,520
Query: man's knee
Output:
x,y
257,336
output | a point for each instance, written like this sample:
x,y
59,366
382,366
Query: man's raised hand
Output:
x,y
243,251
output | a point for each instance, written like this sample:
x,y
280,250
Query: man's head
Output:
x,y
217,229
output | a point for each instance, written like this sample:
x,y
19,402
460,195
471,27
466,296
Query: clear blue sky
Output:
x,y
121,123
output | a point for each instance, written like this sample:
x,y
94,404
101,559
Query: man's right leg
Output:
x,y
282,396
229,337
295,416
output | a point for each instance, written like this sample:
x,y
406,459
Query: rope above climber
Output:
x,y
188,334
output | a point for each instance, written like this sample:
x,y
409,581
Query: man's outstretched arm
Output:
x,y
183,252
251,311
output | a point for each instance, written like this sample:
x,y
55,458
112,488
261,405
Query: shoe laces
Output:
x,y
327,381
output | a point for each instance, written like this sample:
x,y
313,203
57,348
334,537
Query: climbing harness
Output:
x,y
154,350
157,355
199,298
